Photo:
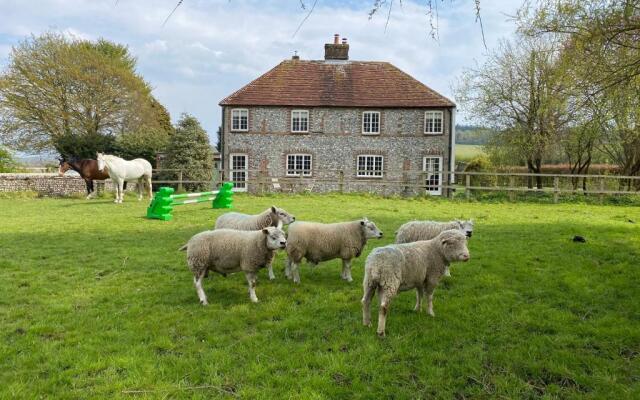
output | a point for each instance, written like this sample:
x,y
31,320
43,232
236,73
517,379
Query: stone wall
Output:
x,y
335,140
50,184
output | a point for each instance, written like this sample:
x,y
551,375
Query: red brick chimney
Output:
x,y
336,50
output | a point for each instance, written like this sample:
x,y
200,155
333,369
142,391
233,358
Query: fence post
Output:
x,y
341,181
555,189
214,179
467,183
512,185
180,187
601,190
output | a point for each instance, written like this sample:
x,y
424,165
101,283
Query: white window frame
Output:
x,y
431,115
245,170
297,172
300,112
240,111
364,131
438,191
368,174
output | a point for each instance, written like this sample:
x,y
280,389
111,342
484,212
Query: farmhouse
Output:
x,y
367,122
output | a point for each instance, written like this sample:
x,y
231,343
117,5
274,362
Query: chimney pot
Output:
x,y
336,50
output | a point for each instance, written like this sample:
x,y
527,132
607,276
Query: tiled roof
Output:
x,y
336,84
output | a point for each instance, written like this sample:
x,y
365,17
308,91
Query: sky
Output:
x,y
208,49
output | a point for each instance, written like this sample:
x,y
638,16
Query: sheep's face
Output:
x,y
280,215
370,229
101,162
466,227
454,245
275,238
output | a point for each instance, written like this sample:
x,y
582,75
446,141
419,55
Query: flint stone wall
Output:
x,y
51,184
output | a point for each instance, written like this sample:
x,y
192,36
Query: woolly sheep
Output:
x,y
424,230
273,216
400,267
227,251
322,242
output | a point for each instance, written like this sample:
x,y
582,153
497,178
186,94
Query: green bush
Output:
x,y
189,150
7,163
481,164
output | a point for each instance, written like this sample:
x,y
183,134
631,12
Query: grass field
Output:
x,y
465,152
96,302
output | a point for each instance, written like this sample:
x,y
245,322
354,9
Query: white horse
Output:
x,y
121,170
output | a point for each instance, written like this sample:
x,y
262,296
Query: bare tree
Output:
x,y
517,91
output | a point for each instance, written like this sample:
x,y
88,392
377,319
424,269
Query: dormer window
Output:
x,y
240,120
433,122
371,123
300,121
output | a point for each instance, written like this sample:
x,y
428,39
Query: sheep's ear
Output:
x,y
265,231
273,209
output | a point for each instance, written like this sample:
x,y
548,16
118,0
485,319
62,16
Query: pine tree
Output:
x,y
189,150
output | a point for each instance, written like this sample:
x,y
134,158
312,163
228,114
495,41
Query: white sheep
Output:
x,y
272,216
424,230
322,242
226,251
400,267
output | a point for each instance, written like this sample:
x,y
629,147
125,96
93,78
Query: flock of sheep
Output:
x,y
418,260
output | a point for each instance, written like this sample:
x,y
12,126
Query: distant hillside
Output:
x,y
470,134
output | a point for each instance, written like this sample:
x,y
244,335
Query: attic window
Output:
x,y
240,119
299,121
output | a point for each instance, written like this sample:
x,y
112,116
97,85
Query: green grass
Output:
x,y
466,152
95,301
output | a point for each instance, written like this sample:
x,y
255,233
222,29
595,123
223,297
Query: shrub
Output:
x,y
190,151
481,164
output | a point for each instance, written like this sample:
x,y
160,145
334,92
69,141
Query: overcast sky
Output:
x,y
211,48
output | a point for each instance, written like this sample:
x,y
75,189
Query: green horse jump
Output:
x,y
163,202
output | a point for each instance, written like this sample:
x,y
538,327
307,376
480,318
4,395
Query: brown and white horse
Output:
x,y
88,170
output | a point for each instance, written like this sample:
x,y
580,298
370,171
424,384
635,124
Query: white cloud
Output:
x,y
210,48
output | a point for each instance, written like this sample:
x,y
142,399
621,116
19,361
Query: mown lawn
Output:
x,y
96,302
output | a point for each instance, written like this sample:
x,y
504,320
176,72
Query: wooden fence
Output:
x,y
412,182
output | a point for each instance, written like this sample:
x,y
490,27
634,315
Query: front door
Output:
x,y
432,166
239,164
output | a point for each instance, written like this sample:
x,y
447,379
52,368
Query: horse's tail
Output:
x,y
184,248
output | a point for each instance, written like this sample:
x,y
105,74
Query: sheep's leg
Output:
x,y
272,276
150,190
251,280
419,297
346,270
295,271
385,301
430,288
369,292
197,281
121,186
287,268
446,271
